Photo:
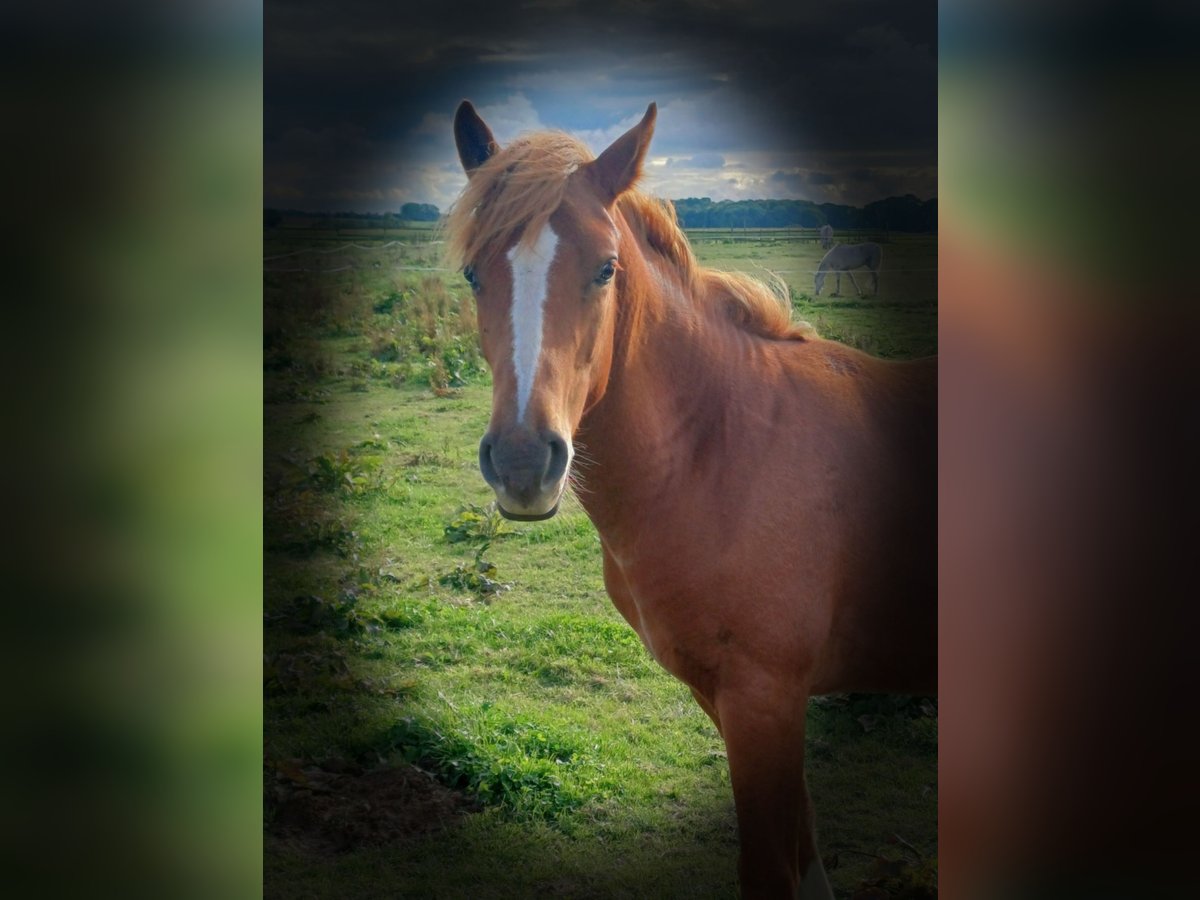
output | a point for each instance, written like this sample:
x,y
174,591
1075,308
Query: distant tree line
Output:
x,y
419,212
893,214
409,212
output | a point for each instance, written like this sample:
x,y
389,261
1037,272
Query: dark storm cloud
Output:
x,y
354,88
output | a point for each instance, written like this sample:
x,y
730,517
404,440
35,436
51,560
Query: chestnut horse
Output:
x,y
765,499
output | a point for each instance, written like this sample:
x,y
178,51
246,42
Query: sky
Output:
x,y
833,101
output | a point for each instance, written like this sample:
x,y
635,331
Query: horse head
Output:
x,y
536,234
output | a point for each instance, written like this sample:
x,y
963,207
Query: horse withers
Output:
x,y
765,499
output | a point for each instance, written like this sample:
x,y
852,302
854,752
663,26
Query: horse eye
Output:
x,y
606,272
469,274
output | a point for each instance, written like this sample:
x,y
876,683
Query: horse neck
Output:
x,y
671,363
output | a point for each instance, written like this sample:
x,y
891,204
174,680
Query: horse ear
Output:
x,y
618,167
473,137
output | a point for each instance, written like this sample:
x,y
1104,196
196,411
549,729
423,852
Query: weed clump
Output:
x,y
426,333
479,578
476,524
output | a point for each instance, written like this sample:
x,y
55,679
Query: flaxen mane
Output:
x,y
512,194
751,304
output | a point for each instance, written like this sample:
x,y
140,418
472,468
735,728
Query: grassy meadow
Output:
x,y
453,708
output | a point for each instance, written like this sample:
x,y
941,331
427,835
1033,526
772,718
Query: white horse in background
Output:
x,y
843,258
826,237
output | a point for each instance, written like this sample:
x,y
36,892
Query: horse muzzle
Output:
x,y
527,469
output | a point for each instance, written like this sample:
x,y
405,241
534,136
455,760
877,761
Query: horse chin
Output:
x,y
524,517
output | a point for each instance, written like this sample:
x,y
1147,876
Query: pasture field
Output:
x,y
452,706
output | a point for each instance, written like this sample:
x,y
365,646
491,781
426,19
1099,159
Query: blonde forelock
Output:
x,y
513,193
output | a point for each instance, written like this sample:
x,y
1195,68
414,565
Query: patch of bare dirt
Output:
x,y
338,808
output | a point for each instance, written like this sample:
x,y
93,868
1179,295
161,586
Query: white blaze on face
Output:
x,y
531,277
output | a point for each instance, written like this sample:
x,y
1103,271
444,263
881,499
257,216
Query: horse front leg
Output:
x,y
763,727
709,708
855,283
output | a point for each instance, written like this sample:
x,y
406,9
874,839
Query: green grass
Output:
x,y
591,771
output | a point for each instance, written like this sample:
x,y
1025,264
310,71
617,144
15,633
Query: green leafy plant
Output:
x,y
479,577
345,472
476,524
311,613
321,534
393,300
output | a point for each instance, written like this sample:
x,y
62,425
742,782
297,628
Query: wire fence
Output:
x,y
344,248
326,251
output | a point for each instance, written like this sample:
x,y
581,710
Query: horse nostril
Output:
x,y
559,457
487,466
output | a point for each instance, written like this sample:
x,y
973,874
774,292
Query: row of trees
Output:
x,y
409,212
893,214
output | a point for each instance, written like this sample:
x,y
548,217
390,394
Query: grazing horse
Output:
x,y
765,499
845,257
826,236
